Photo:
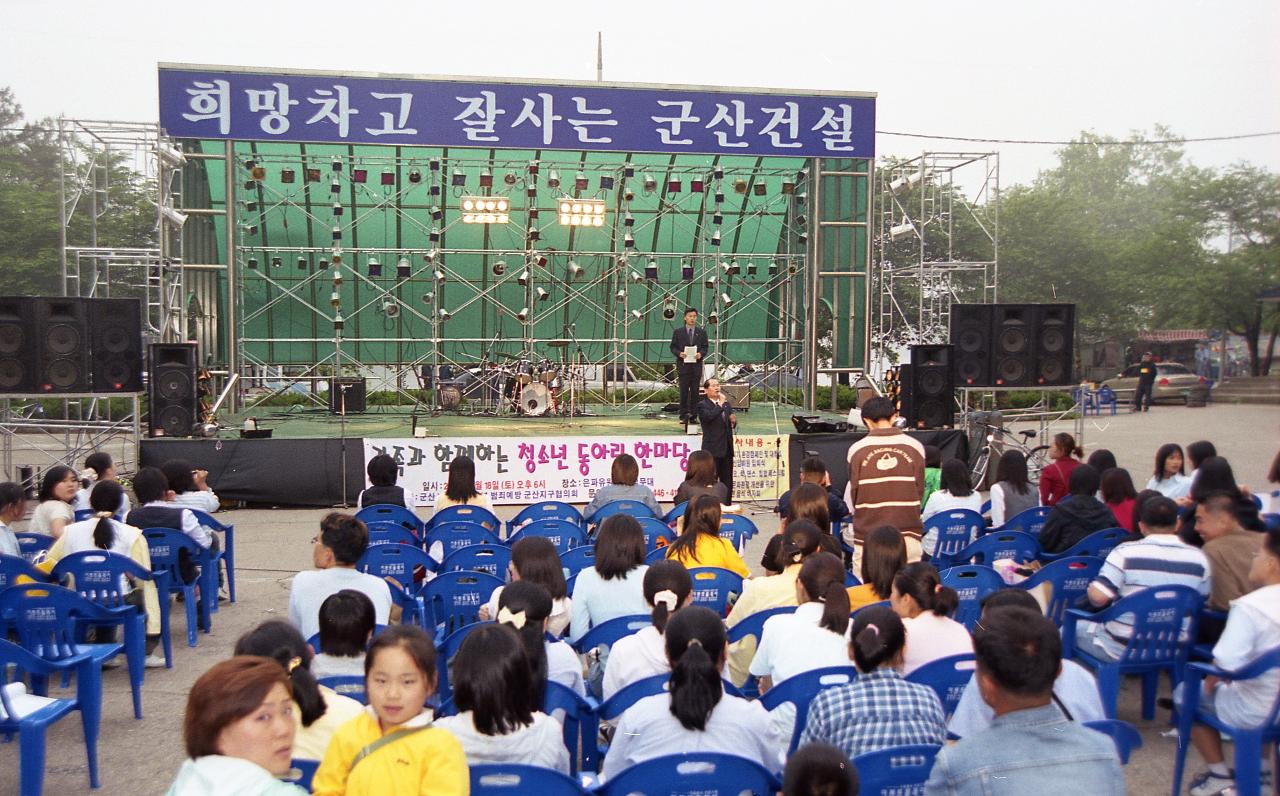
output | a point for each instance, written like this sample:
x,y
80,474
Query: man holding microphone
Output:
x,y
715,413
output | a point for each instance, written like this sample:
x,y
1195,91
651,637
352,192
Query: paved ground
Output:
x,y
139,757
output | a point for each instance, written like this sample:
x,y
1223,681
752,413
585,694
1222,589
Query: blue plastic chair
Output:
x,y
446,647
655,530
955,530
453,599
1204,651
735,534
580,723
301,772
1097,544
740,523
606,633
800,690
676,512
1068,580
1029,521
385,512
972,582
985,511
578,559
31,727
628,695
563,534
457,534
1123,734
545,510
228,551
947,677
347,685
715,588
391,533
882,604
992,547
13,567
656,555
165,544
1271,521
491,559
1248,743
397,563
895,771
477,514
34,545
1157,644
752,626
694,772
511,779
633,508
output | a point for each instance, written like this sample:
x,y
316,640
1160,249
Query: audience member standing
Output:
x,y
1065,455
689,370
1146,384
57,491
715,414
337,548
886,480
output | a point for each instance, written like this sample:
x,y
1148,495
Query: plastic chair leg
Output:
x,y
208,603
1109,688
31,752
1248,759
229,556
1150,685
135,644
89,697
189,603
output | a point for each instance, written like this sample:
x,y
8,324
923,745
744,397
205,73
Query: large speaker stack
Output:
x,y
172,391
70,345
927,388
1013,345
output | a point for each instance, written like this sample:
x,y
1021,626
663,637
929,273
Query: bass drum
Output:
x,y
535,399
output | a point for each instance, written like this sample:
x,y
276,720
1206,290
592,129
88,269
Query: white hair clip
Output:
x,y
668,598
516,620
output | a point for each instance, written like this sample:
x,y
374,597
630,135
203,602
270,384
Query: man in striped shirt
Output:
x,y
1160,558
886,480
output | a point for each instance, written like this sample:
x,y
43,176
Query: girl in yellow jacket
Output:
x,y
700,543
392,747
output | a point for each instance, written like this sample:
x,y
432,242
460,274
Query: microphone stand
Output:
x,y
571,330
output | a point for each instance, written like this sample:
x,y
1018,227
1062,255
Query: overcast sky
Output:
x,y
1022,69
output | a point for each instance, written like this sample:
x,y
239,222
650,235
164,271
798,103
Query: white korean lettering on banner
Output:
x,y
671,133
394,124
583,126
539,114
335,106
836,125
735,118
522,470
480,116
210,100
276,102
788,119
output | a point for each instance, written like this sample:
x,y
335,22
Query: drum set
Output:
x,y
534,386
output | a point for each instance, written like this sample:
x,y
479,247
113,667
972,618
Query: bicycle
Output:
x,y
1037,457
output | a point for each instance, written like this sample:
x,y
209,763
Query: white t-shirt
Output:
x,y
1253,627
202,500
48,511
312,587
481,500
9,542
325,665
794,643
930,637
941,501
538,744
1075,688
78,538
82,500
633,658
1173,487
565,667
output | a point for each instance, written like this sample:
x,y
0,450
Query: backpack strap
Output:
x,y
389,738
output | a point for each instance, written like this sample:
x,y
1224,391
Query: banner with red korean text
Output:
x,y
527,469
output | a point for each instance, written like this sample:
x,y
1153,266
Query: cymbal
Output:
x,y
504,355
557,343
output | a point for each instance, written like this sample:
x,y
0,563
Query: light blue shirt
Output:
x,y
597,600
1075,688
9,541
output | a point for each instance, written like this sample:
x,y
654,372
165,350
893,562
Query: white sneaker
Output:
x,y
154,662
1210,784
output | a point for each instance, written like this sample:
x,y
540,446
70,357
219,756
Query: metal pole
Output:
x,y
813,267
233,293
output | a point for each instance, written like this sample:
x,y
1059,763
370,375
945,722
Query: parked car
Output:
x,y
1172,382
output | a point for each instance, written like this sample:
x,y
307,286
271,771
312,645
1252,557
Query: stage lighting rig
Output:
x,y
485,210
375,268
581,212
403,268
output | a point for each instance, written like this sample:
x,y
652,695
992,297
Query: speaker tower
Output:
x,y
971,337
929,387
1012,333
116,345
62,347
172,389
1054,335
17,345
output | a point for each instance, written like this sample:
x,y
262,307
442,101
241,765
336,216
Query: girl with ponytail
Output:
x,y
925,607
667,588
1066,455
879,709
98,468
320,711
525,607
696,715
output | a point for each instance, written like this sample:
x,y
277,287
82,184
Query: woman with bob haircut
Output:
x,y
383,471
534,558
700,543
1012,493
238,730
614,585
884,554
1170,478
460,489
668,588
57,492
956,492
701,478
624,476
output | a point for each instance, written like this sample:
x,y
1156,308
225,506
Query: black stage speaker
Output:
x,y
350,390
17,345
1012,337
971,337
1054,334
172,389
62,345
929,388
115,344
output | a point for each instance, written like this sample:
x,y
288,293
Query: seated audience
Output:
x,y
926,606
1169,478
347,623
383,472
460,489
701,478
884,554
700,543
668,588
1197,453
956,493
1253,628
1101,460
190,486
1065,456
696,715
534,558
814,471
1012,493
400,675
525,607
1119,495
614,585
1078,515
238,730
1159,558
98,467
932,472
819,769
57,491
1214,475
498,719
1231,549
1075,692
155,511
879,709
337,548
1030,746
624,476
13,507
319,711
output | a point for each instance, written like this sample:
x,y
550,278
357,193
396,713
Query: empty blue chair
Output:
x,y
477,514
1097,544
577,559
694,772
164,544
955,529
1068,580
972,582
444,538
1158,643
511,779
993,547
633,508
545,510
14,567
740,523
391,533
347,685
301,772
800,689
453,599
31,723
947,677
1248,743
491,559
896,771
1029,521
383,512
398,563
1123,734
606,633
715,588
228,551
580,723
656,533
564,535
676,512
34,545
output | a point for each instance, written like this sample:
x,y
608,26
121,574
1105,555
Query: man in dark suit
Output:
x,y
715,413
689,370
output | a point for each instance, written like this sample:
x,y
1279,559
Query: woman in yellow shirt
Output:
x,y
884,554
700,543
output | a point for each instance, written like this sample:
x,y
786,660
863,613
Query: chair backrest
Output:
x,y
301,772
33,545
655,530
800,690
972,582
1160,615
633,508
995,546
563,534
164,544
956,529
1125,736
694,772
753,625
477,514
491,559
947,677
628,695
740,523
655,555
100,575
446,648
578,717
391,533
395,561
896,771
1097,544
1259,666
12,567
676,512
207,520
1068,580
578,559
854,613
347,685
453,599
607,633
545,510
43,618
1028,521
383,512
511,779
457,534
715,588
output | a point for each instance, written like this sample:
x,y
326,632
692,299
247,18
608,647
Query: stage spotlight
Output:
x,y
697,185
302,263
906,182
628,242
901,230
580,181
337,208
438,274
428,298
773,268
312,175
337,232
249,229
531,191
485,210
523,279
337,164
445,314
434,190
335,186
358,175
335,299
387,178
403,268
621,295
523,315
499,267
710,281
752,269
532,213
287,176
788,187
718,173
668,310
337,278
760,188
542,294
415,176
553,179
606,182
375,268
673,185
251,263
725,300
715,238
509,178
390,308
533,167
250,185
651,270
717,218
458,179
650,184
719,198
575,270
800,198
534,234
338,322
486,179
436,213
433,235
628,171
251,205
434,164
629,195
713,318
175,217
171,156
628,220
686,270
732,269
801,219
581,212
538,258
636,277
792,267
637,314
431,255
276,262
740,186
802,238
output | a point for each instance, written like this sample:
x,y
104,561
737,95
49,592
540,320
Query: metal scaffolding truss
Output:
x,y
937,243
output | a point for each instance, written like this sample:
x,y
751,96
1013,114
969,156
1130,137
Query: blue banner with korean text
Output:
x,y
213,103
